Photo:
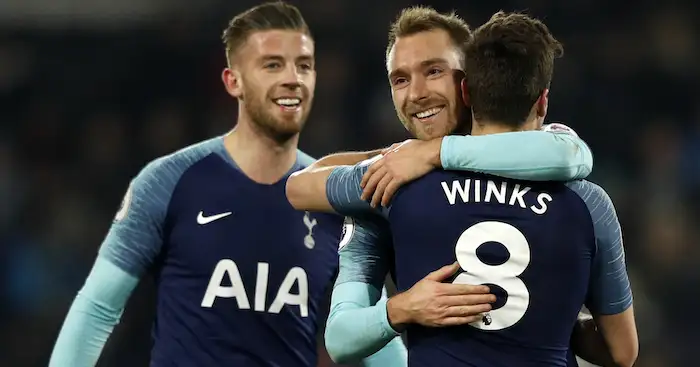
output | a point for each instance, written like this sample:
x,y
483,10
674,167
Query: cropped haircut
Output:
x,y
264,17
509,63
419,19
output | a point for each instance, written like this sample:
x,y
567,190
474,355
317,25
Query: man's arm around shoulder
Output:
x,y
332,189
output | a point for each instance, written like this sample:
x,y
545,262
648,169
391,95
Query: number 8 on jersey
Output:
x,y
504,275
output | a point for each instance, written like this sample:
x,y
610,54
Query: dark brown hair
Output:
x,y
264,17
509,63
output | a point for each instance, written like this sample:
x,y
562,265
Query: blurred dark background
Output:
x,y
92,90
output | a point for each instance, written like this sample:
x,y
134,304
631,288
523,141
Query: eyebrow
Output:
x,y
281,58
424,63
433,61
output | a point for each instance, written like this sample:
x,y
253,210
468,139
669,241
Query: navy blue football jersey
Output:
x,y
239,273
544,248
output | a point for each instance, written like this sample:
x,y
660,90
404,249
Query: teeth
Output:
x,y
429,113
288,101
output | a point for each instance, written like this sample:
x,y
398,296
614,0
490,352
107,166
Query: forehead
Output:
x,y
410,51
286,43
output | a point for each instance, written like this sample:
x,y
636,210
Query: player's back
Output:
x,y
240,273
532,243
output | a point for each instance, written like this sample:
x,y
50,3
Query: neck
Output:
x,y
486,127
260,156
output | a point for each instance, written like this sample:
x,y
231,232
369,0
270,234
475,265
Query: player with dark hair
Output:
x,y
239,273
543,248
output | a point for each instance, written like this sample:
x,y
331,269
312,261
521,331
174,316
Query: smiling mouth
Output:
x,y
288,103
428,114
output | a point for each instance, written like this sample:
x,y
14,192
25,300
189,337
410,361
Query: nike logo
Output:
x,y
201,219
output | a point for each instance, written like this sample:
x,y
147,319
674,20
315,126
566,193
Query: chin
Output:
x,y
433,132
288,127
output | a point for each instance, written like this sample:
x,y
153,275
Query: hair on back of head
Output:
x,y
509,63
276,15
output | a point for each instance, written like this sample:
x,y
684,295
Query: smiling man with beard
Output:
x,y
425,59
239,273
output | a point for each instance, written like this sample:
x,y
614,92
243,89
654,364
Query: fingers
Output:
x,y
379,191
390,191
451,289
372,182
463,311
374,167
444,272
468,300
463,320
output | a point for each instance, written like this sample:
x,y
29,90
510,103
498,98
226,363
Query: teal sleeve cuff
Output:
x,y
93,315
526,155
393,354
357,327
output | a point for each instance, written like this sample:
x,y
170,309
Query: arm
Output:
x,y
553,154
93,315
588,343
129,248
330,189
306,188
357,324
610,294
557,153
345,158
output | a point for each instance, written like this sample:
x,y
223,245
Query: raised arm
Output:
x,y
554,154
357,325
129,248
610,294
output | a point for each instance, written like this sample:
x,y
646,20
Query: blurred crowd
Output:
x,y
83,108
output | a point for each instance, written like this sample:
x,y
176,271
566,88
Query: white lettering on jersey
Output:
x,y
237,290
284,295
470,191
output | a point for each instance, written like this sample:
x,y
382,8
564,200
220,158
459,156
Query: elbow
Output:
x,y
625,357
586,162
576,162
334,346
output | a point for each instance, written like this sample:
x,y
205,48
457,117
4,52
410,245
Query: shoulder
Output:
x,y
169,168
559,128
599,204
154,184
591,193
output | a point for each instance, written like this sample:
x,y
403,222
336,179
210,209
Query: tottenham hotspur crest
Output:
x,y
310,224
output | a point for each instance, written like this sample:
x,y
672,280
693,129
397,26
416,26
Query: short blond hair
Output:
x,y
417,19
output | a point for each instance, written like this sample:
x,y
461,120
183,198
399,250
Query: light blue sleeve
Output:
x,y
344,192
357,324
93,315
555,154
130,247
609,290
394,353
